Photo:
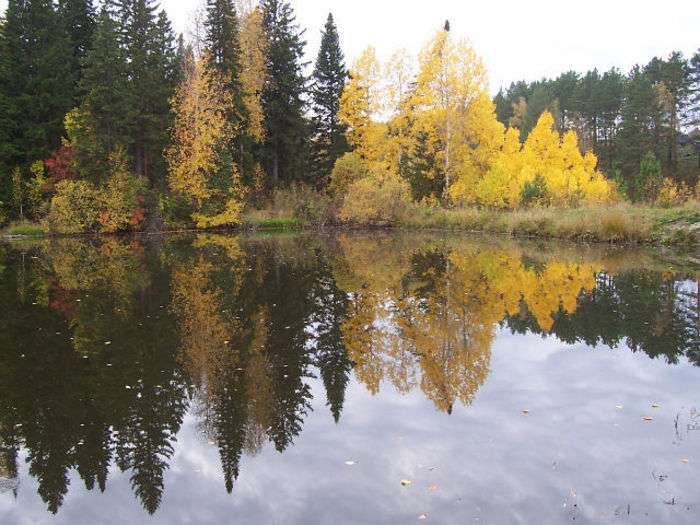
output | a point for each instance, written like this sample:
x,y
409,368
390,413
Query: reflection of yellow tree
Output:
x,y
439,322
205,334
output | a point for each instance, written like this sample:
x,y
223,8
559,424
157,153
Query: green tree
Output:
x,y
640,116
38,80
78,18
101,124
328,81
283,104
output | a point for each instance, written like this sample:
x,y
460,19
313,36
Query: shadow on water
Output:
x,y
107,344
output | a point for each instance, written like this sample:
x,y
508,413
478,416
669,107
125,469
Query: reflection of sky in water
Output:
x,y
574,455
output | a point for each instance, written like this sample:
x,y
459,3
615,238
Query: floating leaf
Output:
x,y
655,405
648,418
619,407
349,463
423,517
685,460
432,488
405,482
526,412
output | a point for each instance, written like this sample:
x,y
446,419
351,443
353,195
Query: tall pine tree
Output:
x,y
286,129
328,81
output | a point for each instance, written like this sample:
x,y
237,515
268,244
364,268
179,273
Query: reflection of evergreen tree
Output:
x,y
332,360
60,394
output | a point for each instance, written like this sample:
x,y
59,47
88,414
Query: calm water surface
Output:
x,y
301,379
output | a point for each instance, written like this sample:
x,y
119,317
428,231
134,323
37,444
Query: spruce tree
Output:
x,y
78,19
328,81
105,86
6,122
284,149
223,45
38,85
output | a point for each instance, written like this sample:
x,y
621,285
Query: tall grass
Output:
x,y
619,223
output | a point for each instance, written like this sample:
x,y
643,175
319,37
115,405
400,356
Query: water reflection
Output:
x,y
106,344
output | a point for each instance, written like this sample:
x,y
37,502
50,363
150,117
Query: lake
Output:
x,y
347,378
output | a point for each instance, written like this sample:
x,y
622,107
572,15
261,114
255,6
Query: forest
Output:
x,y
110,122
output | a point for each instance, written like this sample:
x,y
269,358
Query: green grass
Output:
x,y
273,223
25,229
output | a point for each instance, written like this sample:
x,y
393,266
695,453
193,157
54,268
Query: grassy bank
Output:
x,y
621,223
618,224
23,229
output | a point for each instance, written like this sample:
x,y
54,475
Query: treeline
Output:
x,y
107,116
654,110
111,122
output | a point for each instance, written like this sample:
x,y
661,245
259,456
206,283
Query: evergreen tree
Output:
x,y
328,81
222,42
286,128
38,84
7,124
78,18
640,117
105,86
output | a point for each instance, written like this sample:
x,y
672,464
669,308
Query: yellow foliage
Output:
x,y
253,57
568,177
375,200
449,104
671,194
361,100
347,169
197,159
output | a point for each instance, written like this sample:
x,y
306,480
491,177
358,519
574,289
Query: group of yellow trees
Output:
x,y
443,113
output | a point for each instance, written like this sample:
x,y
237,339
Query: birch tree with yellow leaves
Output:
x,y
200,165
451,78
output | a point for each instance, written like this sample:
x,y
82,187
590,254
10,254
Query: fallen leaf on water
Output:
x,y
685,460
526,412
655,405
648,418
349,463
405,482
423,517
107,343
432,488
619,407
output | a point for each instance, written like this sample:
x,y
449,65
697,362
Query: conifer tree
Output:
x,y
78,18
328,82
286,129
38,83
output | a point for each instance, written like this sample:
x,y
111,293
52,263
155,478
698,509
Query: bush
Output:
x,y
670,194
348,169
74,207
122,202
376,201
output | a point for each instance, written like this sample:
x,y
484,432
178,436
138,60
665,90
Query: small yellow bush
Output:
x,y
376,201
671,194
230,216
348,169
74,207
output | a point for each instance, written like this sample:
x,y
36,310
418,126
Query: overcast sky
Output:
x,y
517,39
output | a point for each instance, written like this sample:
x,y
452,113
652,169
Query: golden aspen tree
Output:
x,y
200,166
361,102
398,78
253,49
450,78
